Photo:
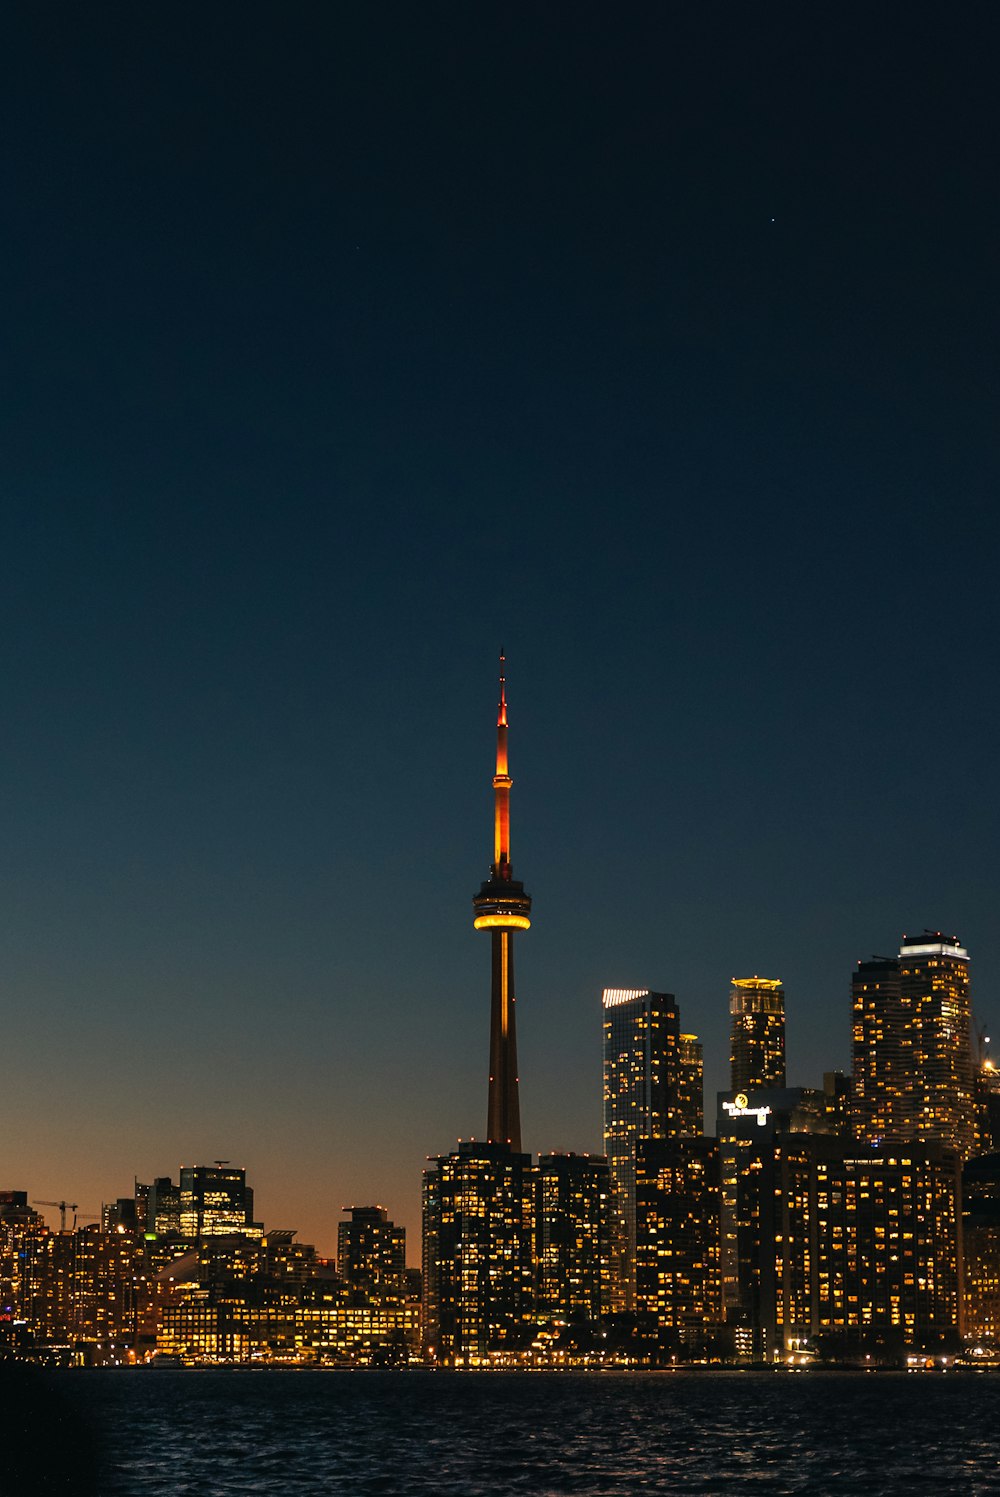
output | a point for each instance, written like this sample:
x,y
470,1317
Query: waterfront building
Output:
x,y
478,1270
329,1328
757,1034
746,1126
826,1236
641,1085
678,1271
981,1247
235,1320
22,1234
573,1236
53,1318
371,1256
102,1274
885,1264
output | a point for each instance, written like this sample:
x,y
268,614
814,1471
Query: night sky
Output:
x,y
342,344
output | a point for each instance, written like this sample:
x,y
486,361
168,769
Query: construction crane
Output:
x,y
62,1207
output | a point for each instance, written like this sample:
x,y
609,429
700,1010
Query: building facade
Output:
x,y
215,1200
690,1087
877,1053
825,1237
478,1254
371,1256
757,1034
912,1046
981,1248
641,1094
937,1040
573,1222
678,1266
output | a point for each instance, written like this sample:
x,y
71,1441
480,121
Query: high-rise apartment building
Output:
x,y
479,1289
678,1276
23,1234
886,1240
879,1076
745,1129
981,1247
690,1087
825,1236
371,1256
937,1039
757,1034
641,1069
912,1045
573,1236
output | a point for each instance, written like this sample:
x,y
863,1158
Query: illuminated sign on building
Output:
x,y
740,1108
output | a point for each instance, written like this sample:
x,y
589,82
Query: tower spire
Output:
x,y
502,907
501,785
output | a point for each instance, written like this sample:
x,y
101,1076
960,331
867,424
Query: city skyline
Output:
x,y
339,352
609,997
500,875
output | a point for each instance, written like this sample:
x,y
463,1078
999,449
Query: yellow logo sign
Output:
x,y
742,1100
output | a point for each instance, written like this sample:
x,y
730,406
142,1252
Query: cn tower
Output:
x,y
502,907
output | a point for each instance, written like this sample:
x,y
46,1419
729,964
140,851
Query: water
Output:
x,y
324,1434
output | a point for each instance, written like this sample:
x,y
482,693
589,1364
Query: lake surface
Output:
x,y
282,1434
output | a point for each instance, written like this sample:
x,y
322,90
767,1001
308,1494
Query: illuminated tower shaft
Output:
x,y
502,907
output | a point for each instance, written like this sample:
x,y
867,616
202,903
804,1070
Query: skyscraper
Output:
x,y
502,907
824,1235
877,1051
641,1067
691,1087
479,1283
215,1200
677,1273
573,1242
757,1046
937,1039
981,1246
912,1045
371,1256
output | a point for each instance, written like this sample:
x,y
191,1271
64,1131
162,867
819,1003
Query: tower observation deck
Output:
x,y
502,907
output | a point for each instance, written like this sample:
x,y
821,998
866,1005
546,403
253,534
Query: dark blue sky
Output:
x,y
658,344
